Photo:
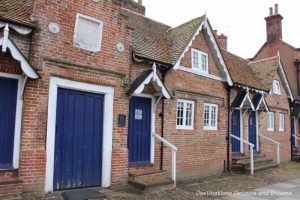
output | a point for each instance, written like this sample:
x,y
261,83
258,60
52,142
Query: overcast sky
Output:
x,y
241,20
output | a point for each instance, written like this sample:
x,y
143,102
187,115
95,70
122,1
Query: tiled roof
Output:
x,y
158,41
17,11
179,37
241,72
265,70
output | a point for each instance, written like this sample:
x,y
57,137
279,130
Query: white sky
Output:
x,y
241,20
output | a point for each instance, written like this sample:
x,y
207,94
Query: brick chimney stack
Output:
x,y
274,25
221,39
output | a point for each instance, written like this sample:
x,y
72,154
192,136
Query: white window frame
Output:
x,y
185,102
86,47
18,119
200,54
210,127
281,122
270,121
276,87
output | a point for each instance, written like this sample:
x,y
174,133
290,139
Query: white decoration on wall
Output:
x,y
120,47
53,28
20,29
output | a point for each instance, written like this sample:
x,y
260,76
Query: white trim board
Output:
x,y
108,92
17,55
285,80
18,119
193,71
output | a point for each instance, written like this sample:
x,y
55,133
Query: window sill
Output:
x,y
184,128
210,129
270,130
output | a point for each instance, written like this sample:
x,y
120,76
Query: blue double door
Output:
x,y
8,104
139,130
78,140
236,130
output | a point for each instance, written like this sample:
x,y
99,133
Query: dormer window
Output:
x,y
200,61
276,87
88,33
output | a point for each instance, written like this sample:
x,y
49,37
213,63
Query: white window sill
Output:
x,y
271,130
184,128
281,130
201,73
210,128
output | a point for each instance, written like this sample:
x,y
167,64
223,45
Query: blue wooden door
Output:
x,y
252,130
139,135
78,140
293,131
8,104
236,130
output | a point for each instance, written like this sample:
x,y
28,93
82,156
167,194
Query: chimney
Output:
x,y
140,2
221,39
274,25
134,6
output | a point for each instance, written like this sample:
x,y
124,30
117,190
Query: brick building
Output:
x,y
289,56
92,88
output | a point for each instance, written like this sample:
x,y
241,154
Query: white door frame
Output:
x,y
256,121
18,119
108,92
152,140
241,131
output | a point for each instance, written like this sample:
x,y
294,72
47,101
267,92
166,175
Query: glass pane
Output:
x,y
179,113
204,60
138,114
188,121
206,116
195,60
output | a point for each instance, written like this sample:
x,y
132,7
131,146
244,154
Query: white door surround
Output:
x,y
108,92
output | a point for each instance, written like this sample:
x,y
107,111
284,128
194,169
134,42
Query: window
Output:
x,y
210,117
270,121
200,61
276,87
281,122
88,33
185,114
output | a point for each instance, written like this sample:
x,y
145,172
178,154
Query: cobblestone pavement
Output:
x,y
284,178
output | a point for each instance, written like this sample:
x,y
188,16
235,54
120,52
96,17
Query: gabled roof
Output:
x,y
241,72
17,11
157,41
265,70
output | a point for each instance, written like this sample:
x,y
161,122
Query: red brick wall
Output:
x,y
278,105
200,152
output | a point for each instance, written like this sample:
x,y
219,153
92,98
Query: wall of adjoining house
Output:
x,y
278,105
200,152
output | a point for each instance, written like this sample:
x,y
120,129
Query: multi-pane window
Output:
x,y
281,122
195,60
88,33
185,114
270,121
276,87
210,117
200,61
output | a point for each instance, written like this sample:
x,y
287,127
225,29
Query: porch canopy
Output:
x,y
149,76
6,43
260,103
242,101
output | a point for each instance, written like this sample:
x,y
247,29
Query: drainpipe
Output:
x,y
228,130
292,121
162,116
